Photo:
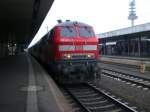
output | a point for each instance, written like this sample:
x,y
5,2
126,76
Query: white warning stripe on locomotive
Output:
x,y
77,47
89,47
66,47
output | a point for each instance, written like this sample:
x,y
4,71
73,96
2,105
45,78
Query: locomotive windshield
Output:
x,y
68,31
86,32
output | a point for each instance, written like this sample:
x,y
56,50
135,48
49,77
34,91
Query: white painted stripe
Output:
x,y
66,47
89,47
32,96
72,47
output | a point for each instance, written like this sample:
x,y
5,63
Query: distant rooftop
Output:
x,y
124,31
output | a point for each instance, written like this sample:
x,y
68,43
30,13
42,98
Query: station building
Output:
x,y
131,41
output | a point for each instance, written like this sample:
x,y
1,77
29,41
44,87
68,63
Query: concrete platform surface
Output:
x,y
125,69
135,61
26,87
127,57
141,64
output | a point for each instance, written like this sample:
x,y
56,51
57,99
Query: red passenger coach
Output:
x,y
71,51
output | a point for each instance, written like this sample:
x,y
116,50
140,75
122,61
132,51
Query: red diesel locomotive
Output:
x,y
70,50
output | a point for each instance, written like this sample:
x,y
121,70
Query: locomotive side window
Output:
x,y
86,32
68,31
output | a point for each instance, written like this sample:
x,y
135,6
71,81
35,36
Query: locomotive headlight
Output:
x,y
90,56
67,56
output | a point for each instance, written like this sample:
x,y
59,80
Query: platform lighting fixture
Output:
x,y
132,12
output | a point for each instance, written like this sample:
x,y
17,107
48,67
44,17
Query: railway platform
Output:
x,y
129,65
26,87
143,64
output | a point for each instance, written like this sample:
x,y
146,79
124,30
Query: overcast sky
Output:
x,y
103,15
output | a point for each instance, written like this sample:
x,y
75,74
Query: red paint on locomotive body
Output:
x,y
75,44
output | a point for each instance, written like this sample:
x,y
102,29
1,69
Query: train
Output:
x,y
71,52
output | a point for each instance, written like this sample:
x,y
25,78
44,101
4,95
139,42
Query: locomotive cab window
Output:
x,y
86,32
68,31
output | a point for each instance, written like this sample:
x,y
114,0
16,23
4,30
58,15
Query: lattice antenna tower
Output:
x,y
132,12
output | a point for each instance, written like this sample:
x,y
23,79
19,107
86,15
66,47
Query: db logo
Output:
x,y
79,47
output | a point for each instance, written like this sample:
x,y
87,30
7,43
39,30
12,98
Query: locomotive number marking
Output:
x,y
79,47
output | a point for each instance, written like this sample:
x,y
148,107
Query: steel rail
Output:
x,y
117,103
146,79
76,99
128,80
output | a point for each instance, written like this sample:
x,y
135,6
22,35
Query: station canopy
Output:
x,y
21,19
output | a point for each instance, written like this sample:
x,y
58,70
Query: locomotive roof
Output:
x,y
72,23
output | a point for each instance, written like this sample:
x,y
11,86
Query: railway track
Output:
x,y
130,79
92,99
